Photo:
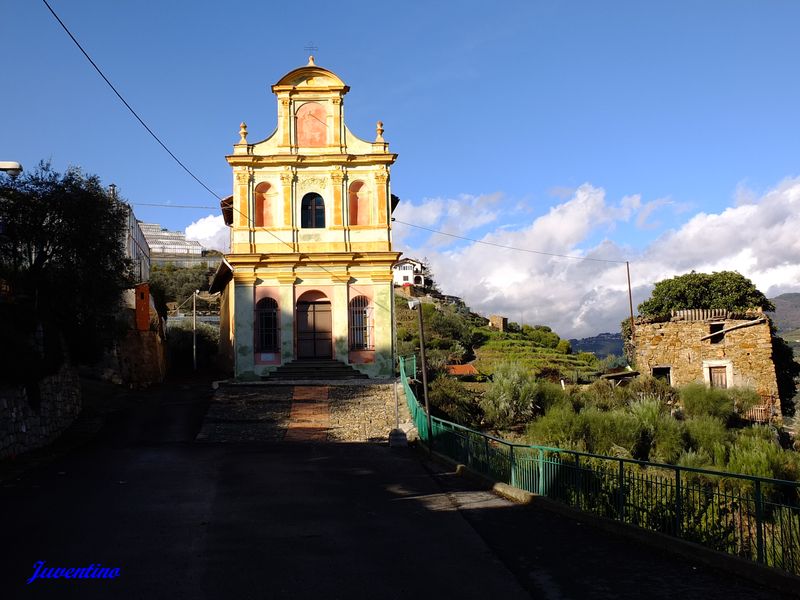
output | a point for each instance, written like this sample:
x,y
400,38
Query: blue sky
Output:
x,y
610,129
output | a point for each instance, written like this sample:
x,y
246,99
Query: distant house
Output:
x,y
408,271
172,247
714,346
498,322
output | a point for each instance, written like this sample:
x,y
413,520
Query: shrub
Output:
x,y
510,398
708,434
560,427
179,346
743,399
668,440
756,452
451,400
601,394
699,459
606,430
649,387
697,399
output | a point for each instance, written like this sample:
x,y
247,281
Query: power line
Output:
x,y
174,205
461,237
128,106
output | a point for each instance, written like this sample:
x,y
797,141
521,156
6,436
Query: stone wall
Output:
x,y
745,353
23,426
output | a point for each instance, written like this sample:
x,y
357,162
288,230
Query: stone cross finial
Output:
x,y
243,133
379,132
311,61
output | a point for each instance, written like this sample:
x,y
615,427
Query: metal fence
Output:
x,y
750,517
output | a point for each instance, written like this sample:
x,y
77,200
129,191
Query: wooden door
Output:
x,y
314,330
718,377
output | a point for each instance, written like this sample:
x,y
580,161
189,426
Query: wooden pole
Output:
x,y
630,301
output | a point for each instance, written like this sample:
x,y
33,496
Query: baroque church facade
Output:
x,y
309,273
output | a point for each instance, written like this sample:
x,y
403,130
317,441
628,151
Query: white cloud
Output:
x,y
211,232
578,298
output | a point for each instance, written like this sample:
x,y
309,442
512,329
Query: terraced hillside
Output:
x,y
548,362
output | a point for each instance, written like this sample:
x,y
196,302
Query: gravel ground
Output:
x,y
247,414
358,413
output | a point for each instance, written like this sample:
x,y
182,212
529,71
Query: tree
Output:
x,y
62,257
169,283
723,289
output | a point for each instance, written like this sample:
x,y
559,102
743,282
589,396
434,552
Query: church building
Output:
x,y
309,274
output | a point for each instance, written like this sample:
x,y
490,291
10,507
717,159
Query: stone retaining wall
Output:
x,y
24,427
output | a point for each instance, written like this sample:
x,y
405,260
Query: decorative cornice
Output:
x,y
307,160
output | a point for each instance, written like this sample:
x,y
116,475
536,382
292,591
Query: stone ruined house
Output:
x,y
309,274
715,346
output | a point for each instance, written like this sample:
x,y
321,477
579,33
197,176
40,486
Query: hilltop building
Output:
x,y
309,275
173,247
408,271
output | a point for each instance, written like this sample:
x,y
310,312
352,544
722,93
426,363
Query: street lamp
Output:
x,y
415,304
11,167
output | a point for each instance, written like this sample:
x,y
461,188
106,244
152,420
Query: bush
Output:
x,y
179,346
743,399
510,398
601,394
607,431
649,387
708,434
756,452
560,427
451,400
697,399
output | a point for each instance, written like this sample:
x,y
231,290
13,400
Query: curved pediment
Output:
x,y
310,77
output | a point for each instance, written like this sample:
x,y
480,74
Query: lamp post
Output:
x,y
415,304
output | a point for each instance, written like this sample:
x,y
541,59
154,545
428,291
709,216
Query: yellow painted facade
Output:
x,y
311,250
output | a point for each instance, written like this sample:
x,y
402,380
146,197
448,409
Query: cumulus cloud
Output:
x,y
584,297
211,232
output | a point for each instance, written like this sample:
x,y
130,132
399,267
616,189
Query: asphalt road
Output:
x,y
183,519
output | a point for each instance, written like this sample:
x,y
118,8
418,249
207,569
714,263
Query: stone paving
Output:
x,y
302,413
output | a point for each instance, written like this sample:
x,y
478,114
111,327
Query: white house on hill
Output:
x,y
408,271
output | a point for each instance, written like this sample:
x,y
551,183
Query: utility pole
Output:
x,y
415,304
630,302
194,329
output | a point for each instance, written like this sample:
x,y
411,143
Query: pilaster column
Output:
x,y
337,179
382,185
243,319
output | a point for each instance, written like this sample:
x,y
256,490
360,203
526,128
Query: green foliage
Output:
x,y
697,399
649,387
179,346
450,399
510,397
724,289
564,347
541,335
708,435
755,451
63,257
169,283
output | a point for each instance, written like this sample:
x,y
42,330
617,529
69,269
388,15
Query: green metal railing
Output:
x,y
750,517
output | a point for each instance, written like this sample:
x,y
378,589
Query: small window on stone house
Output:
x,y
716,328
663,373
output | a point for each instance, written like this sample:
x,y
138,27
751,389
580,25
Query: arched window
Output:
x,y
359,204
267,325
361,337
312,212
263,208
312,125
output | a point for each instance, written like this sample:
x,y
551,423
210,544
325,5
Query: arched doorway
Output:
x,y
314,326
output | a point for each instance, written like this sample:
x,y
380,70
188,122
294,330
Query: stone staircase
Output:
x,y
321,370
